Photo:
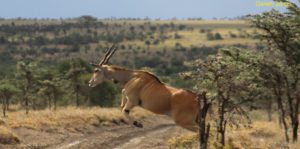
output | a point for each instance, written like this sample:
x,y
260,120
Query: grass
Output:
x,y
186,141
69,118
7,136
262,135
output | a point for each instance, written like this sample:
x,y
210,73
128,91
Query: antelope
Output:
x,y
144,89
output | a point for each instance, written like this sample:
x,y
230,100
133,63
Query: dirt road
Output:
x,y
154,135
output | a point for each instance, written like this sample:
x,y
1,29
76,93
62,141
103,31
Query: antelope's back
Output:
x,y
154,94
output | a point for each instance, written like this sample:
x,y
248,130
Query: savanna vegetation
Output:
x,y
45,63
246,73
236,81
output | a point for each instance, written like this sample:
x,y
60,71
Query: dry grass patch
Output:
x,y
69,118
262,135
7,136
185,141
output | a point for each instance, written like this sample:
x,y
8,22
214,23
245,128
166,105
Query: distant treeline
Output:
x,y
45,64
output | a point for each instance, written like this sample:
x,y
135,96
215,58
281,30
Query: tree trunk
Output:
x,y
7,104
54,102
3,107
222,130
204,129
27,89
222,122
49,102
77,95
204,136
295,131
33,105
278,93
296,118
223,137
55,97
279,118
293,102
77,100
26,105
282,116
270,110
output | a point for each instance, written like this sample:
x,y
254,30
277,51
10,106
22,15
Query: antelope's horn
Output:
x,y
108,51
110,55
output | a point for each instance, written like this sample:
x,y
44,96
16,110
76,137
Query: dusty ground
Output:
x,y
155,134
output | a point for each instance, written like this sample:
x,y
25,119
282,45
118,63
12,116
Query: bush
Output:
x,y
105,94
181,27
232,35
177,36
216,36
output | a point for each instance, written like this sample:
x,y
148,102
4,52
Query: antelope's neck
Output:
x,y
121,76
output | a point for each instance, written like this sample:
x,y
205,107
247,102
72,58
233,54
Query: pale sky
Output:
x,y
164,9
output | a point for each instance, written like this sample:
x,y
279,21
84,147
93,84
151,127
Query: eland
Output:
x,y
144,89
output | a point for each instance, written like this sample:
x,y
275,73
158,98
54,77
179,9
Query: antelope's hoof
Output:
x,y
137,124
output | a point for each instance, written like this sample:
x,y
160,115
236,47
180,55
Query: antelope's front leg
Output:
x,y
126,110
124,99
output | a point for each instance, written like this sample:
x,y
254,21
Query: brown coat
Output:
x,y
142,88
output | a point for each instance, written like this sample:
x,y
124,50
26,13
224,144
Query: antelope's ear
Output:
x,y
95,65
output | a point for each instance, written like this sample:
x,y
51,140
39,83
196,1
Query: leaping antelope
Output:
x,y
144,89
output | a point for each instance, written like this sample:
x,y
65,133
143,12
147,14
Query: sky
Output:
x,y
163,9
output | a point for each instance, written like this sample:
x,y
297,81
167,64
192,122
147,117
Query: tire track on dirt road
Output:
x,y
127,137
146,139
152,136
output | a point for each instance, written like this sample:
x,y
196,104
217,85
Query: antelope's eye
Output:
x,y
96,70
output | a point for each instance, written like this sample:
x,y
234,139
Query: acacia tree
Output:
x,y
229,83
51,84
74,76
56,91
46,90
51,89
281,65
7,90
148,43
27,81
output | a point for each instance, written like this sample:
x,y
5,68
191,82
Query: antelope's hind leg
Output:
x,y
186,120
